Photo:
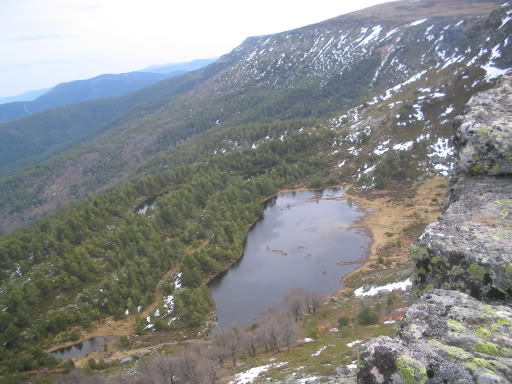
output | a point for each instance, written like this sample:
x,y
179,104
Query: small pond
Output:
x,y
303,240
80,349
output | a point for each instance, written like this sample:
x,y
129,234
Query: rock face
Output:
x,y
446,337
470,248
485,132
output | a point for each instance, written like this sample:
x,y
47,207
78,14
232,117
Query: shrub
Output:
x,y
343,321
368,316
124,341
312,333
68,365
102,365
91,364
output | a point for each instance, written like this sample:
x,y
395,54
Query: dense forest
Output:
x,y
99,258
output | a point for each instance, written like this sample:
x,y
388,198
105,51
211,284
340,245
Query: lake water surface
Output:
x,y
80,349
296,244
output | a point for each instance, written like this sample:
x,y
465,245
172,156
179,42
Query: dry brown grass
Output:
x,y
394,220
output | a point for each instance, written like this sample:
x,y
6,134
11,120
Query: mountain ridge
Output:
x,y
365,104
102,86
254,83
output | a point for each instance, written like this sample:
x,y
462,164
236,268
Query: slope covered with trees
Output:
x,y
215,144
99,258
354,60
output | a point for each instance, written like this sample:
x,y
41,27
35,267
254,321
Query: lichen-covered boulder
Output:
x,y
470,248
445,337
484,133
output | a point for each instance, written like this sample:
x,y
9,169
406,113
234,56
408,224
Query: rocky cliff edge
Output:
x,y
460,330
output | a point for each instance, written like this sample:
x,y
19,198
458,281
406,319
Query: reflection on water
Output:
x,y
81,349
295,244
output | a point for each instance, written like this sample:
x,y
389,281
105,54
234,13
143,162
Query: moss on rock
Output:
x,y
476,272
411,371
487,348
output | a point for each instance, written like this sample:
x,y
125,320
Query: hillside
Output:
x,y
367,99
41,135
26,96
99,87
78,91
355,61
179,67
459,328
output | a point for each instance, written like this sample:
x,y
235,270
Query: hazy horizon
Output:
x,y
55,41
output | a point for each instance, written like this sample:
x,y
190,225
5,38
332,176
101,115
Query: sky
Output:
x,y
46,42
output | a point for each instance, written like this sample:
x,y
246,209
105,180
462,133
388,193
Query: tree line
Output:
x,y
98,258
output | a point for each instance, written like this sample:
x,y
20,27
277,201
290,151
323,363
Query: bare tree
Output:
x,y
270,311
313,302
272,334
236,330
220,349
161,370
209,371
233,338
287,331
187,367
295,302
78,376
261,336
250,343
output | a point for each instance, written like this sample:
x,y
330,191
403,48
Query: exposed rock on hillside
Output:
x,y
485,132
470,248
446,337
387,79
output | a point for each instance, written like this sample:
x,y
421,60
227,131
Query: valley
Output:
x,y
258,219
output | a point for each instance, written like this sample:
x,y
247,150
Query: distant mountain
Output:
x,y
390,77
103,86
367,99
27,96
179,67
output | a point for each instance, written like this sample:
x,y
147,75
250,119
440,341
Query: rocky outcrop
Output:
x,y
485,132
446,337
470,248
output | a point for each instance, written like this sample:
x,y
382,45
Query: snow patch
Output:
x,y
350,345
448,111
493,72
444,169
403,146
317,353
418,22
372,36
390,91
505,21
249,375
177,281
382,148
400,285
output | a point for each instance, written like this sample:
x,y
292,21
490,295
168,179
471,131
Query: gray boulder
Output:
x,y
470,248
484,133
445,337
